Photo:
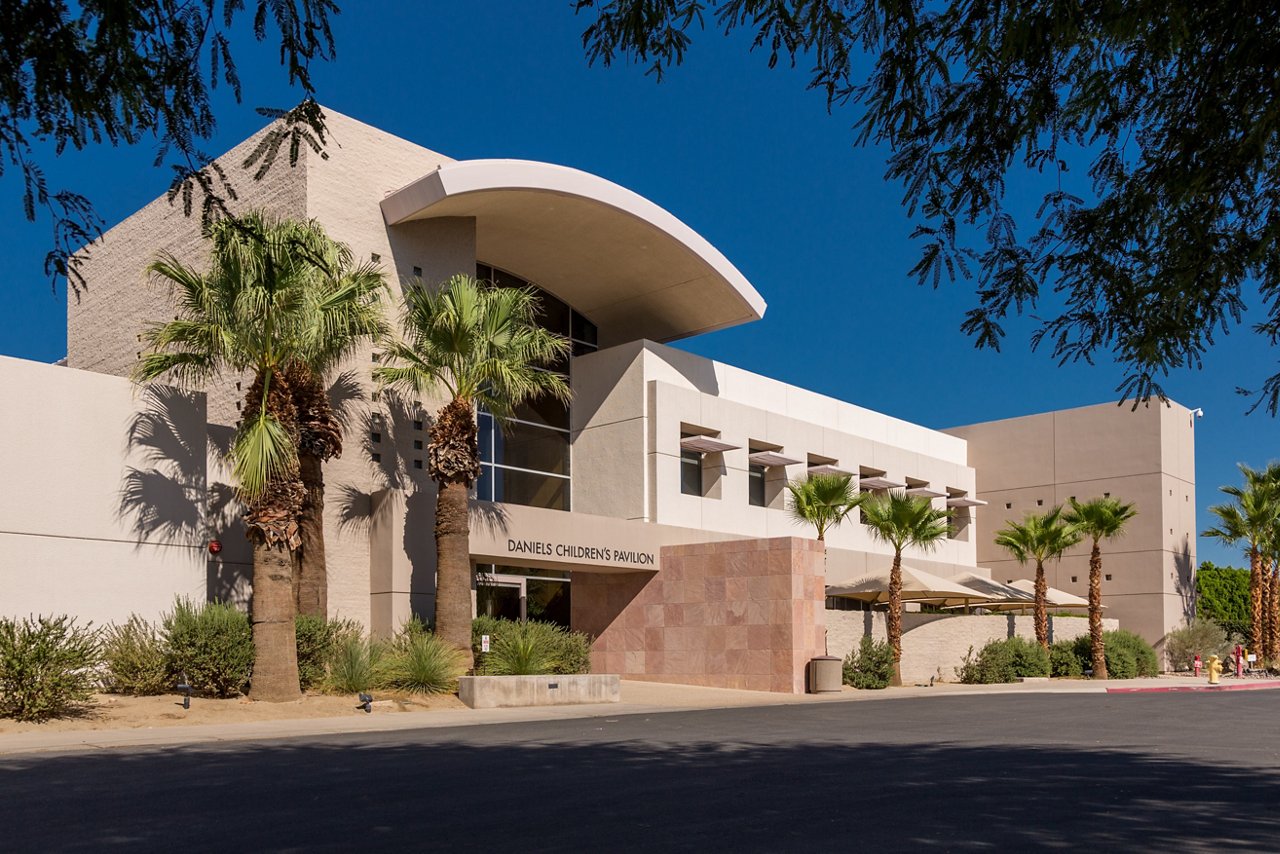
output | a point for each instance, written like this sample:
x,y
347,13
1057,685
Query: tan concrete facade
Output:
x,y
1145,456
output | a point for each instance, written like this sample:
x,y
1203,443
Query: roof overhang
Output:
x,y
628,265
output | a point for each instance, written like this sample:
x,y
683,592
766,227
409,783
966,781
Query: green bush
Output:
x,y
1201,637
870,665
47,667
1128,656
318,641
1004,661
212,643
1222,595
136,659
1063,660
544,647
421,663
358,664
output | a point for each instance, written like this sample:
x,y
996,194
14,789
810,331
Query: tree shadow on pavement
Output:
x,y
476,789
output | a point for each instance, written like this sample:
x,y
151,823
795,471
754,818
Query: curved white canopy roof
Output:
x,y
631,267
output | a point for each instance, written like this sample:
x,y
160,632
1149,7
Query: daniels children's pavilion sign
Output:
x,y
575,551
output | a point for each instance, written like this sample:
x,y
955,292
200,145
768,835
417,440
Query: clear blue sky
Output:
x,y
743,154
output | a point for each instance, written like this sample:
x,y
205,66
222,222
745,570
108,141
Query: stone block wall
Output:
x,y
737,614
934,645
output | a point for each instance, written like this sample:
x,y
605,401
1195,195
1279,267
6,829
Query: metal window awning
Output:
x,y
925,492
828,468
878,483
966,502
771,459
706,445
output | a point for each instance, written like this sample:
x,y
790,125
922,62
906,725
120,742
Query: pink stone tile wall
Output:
x,y
733,614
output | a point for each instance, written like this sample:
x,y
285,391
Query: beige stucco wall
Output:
x,y
633,401
103,509
1146,456
935,645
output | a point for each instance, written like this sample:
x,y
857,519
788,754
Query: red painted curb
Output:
x,y
1256,686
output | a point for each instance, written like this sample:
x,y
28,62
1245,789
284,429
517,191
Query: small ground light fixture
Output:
x,y
366,703
185,687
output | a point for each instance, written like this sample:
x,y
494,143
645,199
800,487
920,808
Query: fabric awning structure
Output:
x,y
706,445
917,586
772,459
1053,596
1002,597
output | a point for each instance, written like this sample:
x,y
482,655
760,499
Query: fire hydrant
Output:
x,y
1215,669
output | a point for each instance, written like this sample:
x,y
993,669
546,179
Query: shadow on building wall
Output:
x,y
1185,584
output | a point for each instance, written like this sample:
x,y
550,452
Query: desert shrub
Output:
x,y
415,625
1063,660
318,640
358,664
547,647
136,659
47,667
1201,637
421,663
212,643
1004,661
870,665
1128,656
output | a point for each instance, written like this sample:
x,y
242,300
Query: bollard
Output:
x,y
1215,669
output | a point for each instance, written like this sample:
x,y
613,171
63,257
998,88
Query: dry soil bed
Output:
x,y
113,711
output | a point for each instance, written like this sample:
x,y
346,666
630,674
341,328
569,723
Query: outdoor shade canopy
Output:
x,y
706,445
625,263
1053,596
999,593
772,459
917,585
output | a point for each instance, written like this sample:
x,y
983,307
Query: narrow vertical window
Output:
x,y
755,480
691,473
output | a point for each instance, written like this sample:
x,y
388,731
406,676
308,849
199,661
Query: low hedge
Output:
x,y
1004,661
1128,656
870,666
47,667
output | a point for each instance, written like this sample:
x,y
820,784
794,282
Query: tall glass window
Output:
x,y
755,483
528,460
691,473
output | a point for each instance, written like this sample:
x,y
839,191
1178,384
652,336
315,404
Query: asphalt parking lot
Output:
x,y
1105,772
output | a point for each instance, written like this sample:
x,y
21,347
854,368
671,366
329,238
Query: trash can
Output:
x,y
825,674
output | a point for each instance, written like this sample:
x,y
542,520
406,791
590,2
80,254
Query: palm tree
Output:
x,y
1099,519
347,300
254,311
480,346
903,520
823,501
1040,537
1249,519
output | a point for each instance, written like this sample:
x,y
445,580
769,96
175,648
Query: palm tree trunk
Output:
x,y
895,617
1255,600
453,568
1275,612
1042,610
1096,646
275,667
313,572
1264,648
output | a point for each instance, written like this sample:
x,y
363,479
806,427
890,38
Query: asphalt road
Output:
x,y
1151,772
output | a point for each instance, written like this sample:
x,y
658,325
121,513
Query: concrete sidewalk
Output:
x,y
638,698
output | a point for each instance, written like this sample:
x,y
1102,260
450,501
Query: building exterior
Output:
x,y
1144,455
650,511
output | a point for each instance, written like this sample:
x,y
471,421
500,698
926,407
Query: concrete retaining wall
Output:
x,y
494,692
934,645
